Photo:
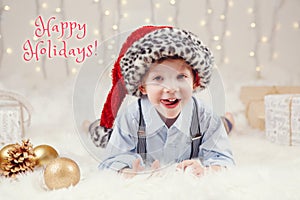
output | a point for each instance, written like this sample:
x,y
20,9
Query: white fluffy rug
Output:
x,y
263,171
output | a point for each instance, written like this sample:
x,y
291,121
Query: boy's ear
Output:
x,y
142,89
195,85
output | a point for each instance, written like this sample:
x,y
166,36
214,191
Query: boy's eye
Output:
x,y
182,76
158,78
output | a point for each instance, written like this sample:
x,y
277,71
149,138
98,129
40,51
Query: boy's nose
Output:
x,y
171,88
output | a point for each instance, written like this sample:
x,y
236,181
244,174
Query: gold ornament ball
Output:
x,y
4,153
44,154
61,173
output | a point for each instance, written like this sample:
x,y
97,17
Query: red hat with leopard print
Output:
x,y
143,47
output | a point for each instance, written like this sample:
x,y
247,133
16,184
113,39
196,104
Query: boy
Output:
x,y
163,66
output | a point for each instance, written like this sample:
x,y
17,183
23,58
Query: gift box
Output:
x,y
282,118
253,99
15,114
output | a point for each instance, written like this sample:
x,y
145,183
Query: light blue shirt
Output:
x,y
168,145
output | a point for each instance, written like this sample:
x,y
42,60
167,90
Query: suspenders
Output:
x,y
195,133
142,145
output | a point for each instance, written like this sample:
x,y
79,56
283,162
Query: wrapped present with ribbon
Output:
x,y
282,114
253,99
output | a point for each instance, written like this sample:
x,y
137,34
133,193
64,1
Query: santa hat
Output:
x,y
143,47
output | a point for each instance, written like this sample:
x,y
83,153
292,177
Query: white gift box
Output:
x,y
13,111
282,118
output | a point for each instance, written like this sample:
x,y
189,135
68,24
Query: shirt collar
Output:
x,y
154,122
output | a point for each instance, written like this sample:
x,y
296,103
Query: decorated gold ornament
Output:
x,y
61,173
4,154
44,154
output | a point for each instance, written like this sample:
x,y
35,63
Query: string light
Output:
x,y
275,27
100,22
100,62
6,8
216,38
264,39
230,3
106,12
228,33
253,25
226,60
296,25
258,69
278,27
96,32
44,5
125,15
58,10
219,38
43,59
222,17
152,5
74,70
250,10
115,27
9,51
170,19
124,2
176,14
147,20
202,23
172,2
258,39
63,18
96,1
251,53
275,55
218,47
31,22
37,69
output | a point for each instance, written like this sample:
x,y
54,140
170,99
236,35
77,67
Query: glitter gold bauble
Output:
x,y
61,173
44,154
4,154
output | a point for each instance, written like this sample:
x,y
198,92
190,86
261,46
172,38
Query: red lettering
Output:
x,y
40,26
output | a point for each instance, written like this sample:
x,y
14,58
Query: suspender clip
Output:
x,y
196,137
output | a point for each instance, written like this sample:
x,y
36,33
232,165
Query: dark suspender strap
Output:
x,y
141,145
195,132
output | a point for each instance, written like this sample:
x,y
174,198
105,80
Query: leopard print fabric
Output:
x,y
166,42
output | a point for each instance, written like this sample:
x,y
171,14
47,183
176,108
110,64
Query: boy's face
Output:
x,y
169,86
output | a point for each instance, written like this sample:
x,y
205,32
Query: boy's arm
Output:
x,y
215,150
121,150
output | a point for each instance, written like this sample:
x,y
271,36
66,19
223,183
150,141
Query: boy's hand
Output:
x,y
136,167
194,165
131,172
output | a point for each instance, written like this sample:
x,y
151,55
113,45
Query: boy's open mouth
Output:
x,y
170,103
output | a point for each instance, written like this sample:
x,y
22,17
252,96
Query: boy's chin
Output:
x,y
169,115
